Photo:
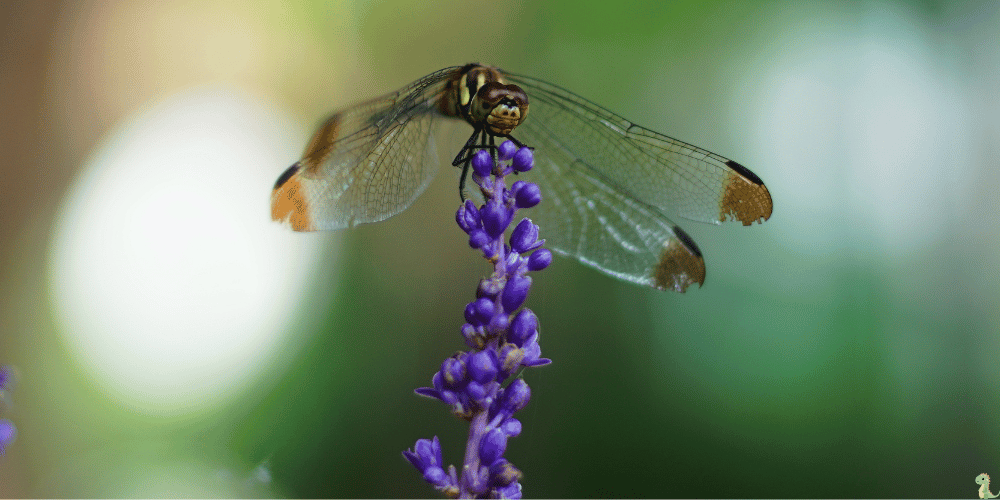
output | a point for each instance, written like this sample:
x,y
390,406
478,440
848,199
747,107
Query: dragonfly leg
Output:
x,y
470,147
466,152
465,155
461,182
518,143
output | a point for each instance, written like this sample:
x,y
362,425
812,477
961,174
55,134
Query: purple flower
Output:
x,y
468,216
525,325
512,427
515,292
6,378
524,237
516,396
7,434
523,160
512,491
526,195
502,339
482,164
507,150
492,446
483,366
7,430
495,218
426,457
539,259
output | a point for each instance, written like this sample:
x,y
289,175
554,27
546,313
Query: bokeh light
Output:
x,y
171,285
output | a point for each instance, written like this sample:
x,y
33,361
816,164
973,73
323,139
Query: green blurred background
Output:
x,y
171,342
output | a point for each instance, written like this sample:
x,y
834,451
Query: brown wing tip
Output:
x,y
681,264
744,197
288,201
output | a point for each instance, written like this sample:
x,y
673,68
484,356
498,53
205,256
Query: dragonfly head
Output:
x,y
499,107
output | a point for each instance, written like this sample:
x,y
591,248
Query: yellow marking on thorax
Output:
x,y
465,94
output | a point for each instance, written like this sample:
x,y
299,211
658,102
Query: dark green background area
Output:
x,y
827,354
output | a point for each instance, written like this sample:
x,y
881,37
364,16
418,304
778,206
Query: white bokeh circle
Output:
x,y
169,282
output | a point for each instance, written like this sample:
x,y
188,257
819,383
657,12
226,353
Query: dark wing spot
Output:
x,y
744,197
286,175
680,264
687,241
745,172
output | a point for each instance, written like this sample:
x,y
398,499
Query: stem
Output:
x,y
470,470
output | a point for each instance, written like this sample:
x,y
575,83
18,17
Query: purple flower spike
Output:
x,y
502,340
523,160
507,150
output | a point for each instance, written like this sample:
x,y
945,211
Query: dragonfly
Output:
x,y
607,184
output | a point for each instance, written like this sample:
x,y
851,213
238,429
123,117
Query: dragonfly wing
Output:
x,y
656,170
365,163
609,184
585,217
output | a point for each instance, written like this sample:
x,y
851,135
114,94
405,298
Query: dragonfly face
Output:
x,y
478,94
608,184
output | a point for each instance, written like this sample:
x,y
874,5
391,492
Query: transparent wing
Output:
x,y
365,163
584,216
609,183
659,171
